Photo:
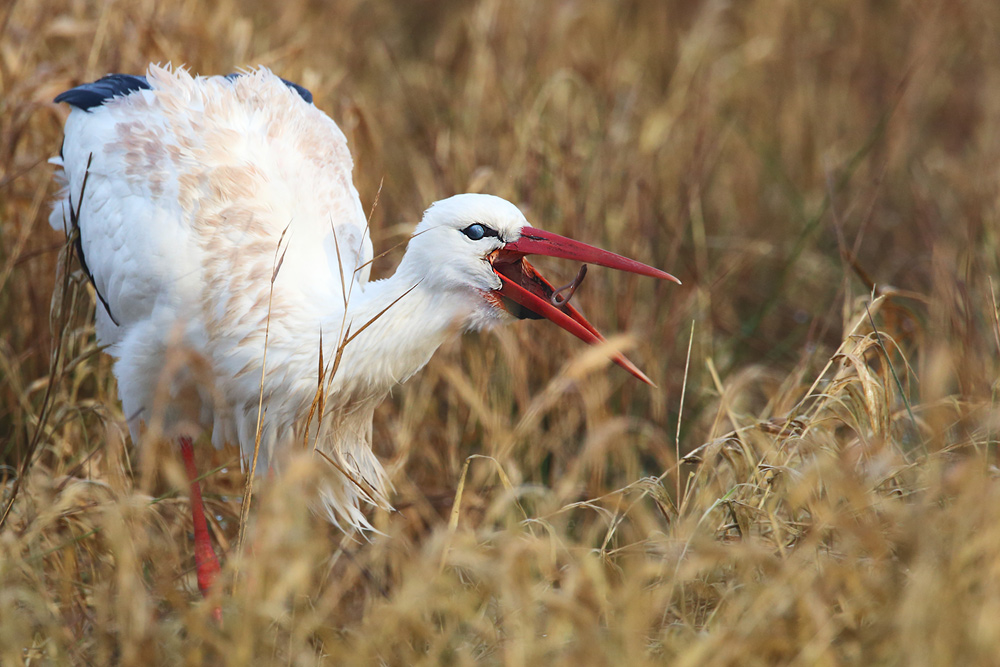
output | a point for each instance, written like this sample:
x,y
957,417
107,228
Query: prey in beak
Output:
x,y
526,294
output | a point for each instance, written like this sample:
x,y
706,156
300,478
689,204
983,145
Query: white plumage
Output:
x,y
192,193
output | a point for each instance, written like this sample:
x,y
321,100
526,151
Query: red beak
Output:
x,y
534,297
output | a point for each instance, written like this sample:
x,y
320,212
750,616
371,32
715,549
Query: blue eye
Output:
x,y
475,232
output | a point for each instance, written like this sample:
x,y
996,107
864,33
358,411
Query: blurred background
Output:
x,y
793,163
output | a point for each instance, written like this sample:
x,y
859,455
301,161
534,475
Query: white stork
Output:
x,y
212,212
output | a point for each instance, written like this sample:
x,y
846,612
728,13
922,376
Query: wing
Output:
x,y
95,94
183,189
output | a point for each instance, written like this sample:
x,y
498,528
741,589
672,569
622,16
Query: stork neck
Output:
x,y
404,322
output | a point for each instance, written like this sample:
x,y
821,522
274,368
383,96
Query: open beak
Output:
x,y
528,295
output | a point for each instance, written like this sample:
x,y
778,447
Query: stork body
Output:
x,y
190,186
216,212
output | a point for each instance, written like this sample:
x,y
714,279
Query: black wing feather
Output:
x,y
91,95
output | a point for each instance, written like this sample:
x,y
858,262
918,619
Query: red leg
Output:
x,y
205,559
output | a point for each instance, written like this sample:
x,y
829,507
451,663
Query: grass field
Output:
x,y
825,179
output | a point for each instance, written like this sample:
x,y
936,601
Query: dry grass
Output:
x,y
814,172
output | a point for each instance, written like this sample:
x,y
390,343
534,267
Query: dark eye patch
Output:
x,y
477,231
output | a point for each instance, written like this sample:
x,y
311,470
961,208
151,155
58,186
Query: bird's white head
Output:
x,y
454,241
473,246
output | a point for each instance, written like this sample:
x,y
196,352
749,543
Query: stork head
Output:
x,y
477,244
